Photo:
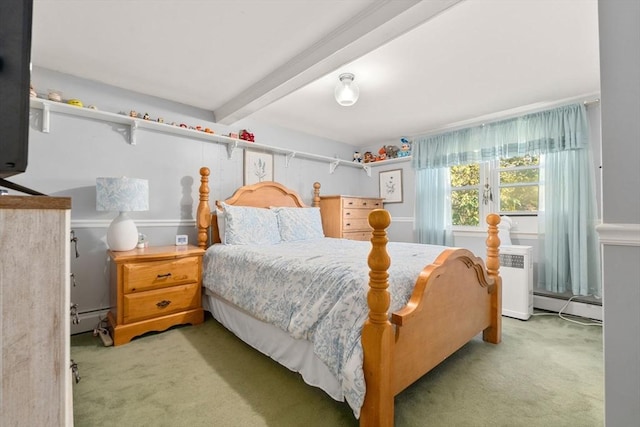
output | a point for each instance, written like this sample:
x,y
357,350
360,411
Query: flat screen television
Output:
x,y
15,79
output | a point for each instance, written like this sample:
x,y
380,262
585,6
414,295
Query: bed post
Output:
x,y
493,333
203,216
378,333
316,195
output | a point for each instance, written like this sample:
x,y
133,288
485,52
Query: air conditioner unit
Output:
x,y
517,281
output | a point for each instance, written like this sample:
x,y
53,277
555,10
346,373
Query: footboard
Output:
x,y
454,299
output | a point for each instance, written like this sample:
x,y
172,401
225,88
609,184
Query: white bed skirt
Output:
x,y
297,355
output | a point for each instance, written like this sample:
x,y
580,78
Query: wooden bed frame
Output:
x,y
454,299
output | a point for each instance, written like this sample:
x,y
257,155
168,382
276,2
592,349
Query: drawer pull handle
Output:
x,y
348,213
364,203
162,276
348,224
163,304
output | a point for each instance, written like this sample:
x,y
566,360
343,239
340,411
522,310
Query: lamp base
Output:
x,y
122,234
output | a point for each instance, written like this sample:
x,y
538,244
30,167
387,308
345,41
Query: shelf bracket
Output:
x,y
333,166
46,116
288,158
133,132
231,147
367,169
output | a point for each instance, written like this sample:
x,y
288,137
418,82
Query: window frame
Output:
x,y
489,173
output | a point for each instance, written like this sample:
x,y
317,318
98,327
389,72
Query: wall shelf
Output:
x,y
232,144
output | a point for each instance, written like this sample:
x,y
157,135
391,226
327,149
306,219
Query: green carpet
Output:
x,y
546,372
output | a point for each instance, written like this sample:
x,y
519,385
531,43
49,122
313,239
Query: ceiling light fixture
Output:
x,y
347,91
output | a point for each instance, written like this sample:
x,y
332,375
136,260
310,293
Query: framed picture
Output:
x,y
391,186
258,167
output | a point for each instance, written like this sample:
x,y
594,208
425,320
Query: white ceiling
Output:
x,y
420,65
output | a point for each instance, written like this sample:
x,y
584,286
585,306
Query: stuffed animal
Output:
x,y
382,154
392,151
357,157
405,148
368,157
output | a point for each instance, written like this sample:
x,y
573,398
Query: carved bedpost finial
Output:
x,y
316,194
203,216
379,261
493,333
378,333
493,243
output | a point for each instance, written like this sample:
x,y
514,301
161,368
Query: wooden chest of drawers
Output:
x,y
153,289
347,216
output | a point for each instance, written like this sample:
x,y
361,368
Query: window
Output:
x,y
508,186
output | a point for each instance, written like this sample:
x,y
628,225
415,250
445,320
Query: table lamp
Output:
x,y
122,195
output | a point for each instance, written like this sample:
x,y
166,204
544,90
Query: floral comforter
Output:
x,y
315,290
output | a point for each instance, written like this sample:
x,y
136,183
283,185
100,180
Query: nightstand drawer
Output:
x,y
361,203
140,277
150,304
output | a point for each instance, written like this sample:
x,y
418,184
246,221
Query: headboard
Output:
x,y
260,195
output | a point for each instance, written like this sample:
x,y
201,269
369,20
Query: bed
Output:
x,y
386,324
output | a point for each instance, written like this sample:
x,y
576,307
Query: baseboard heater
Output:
x,y
517,281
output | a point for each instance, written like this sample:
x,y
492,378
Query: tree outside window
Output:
x,y
508,187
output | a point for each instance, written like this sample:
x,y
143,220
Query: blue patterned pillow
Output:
x,y
299,223
250,226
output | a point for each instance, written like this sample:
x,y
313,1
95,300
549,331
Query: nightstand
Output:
x,y
153,289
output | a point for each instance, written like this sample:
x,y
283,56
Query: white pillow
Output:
x,y
504,231
299,223
250,226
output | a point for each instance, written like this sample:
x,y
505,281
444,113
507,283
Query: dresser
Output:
x,y
153,289
347,217
36,377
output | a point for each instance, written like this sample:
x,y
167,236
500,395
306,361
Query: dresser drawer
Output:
x,y
357,235
355,225
354,213
361,203
139,277
159,302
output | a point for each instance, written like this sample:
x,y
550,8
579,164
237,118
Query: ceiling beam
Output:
x,y
379,23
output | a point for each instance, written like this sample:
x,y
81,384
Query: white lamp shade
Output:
x,y
122,234
122,195
347,91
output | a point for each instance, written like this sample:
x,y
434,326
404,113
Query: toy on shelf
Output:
x,y
54,95
382,154
357,157
392,151
405,148
369,157
75,102
246,136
